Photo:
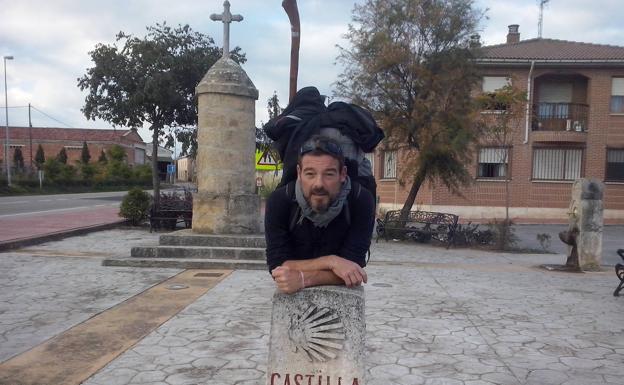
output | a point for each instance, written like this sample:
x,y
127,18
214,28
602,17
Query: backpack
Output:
x,y
306,115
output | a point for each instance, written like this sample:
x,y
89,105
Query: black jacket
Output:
x,y
348,238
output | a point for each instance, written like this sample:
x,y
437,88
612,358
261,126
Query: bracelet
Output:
x,y
302,280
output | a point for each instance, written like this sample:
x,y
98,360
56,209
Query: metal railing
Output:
x,y
560,117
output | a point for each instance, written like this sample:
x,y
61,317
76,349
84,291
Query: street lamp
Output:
x,y
7,158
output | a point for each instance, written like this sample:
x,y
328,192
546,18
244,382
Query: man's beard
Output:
x,y
322,207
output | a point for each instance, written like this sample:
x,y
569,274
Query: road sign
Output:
x,y
171,169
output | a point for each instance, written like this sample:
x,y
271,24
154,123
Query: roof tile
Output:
x,y
68,134
552,49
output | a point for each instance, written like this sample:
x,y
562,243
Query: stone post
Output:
x,y
317,337
586,221
226,202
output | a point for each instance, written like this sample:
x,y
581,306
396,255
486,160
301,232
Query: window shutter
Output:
x,y
493,83
617,87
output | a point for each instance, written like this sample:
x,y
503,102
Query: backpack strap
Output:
x,y
295,210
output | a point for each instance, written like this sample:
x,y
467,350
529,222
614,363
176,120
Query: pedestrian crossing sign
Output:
x,y
266,162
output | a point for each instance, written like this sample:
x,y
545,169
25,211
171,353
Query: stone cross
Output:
x,y
226,17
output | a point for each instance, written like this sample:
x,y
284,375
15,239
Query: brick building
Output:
x,y
53,139
573,127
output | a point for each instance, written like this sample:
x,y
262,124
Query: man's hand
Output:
x,y
288,280
350,272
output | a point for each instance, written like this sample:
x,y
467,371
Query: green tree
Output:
x,y
117,153
263,142
410,63
39,157
53,169
500,130
85,156
150,80
18,159
103,159
62,156
116,168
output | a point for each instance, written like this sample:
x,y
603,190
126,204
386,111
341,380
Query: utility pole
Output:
x,y
7,148
30,136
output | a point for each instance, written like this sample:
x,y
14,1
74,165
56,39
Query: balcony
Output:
x,y
560,117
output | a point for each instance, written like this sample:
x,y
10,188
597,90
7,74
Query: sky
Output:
x,y
50,41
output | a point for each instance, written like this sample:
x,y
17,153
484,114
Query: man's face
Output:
x,y
321,180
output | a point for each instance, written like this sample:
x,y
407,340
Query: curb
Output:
x,y
23,242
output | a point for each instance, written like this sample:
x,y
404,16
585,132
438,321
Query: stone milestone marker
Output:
x,y
317,337
586,222
226,202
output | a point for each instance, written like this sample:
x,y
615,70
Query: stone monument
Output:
x,y
584,234
226,211
317,337
226,202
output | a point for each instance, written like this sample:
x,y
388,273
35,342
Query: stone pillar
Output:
x,y
226,202
586,218
317,337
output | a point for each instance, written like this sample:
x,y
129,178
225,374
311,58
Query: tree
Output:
x,y
499,130
62,156
263,142
18,159
85,156
117,153
103,159
39,157
150,81
410,63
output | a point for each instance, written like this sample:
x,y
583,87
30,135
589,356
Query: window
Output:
x,y
557,163
370,156
493,162
617,95
491,84
389,169
615,165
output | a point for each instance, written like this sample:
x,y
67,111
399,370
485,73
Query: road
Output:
x,y
16,206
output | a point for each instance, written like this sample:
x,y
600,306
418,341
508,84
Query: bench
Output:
x,y
421,226
173,208
619,271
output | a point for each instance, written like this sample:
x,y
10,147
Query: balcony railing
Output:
x,y
560,117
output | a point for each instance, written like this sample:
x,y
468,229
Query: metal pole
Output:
x,y
290,6
7,158
30,137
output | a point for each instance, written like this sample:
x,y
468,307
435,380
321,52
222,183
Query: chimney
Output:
x,y
513,36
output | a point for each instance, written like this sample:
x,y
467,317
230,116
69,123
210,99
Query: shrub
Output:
x,y
142,173
135,206
52,169
504,234
544,240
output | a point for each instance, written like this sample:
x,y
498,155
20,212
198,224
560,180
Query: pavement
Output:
x,y
434,316
17,230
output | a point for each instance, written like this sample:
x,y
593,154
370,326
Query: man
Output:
x,y
319,228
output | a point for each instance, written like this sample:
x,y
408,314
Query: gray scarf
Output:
x,y
322,219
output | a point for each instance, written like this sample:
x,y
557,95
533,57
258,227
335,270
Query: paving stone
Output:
x,y
449,317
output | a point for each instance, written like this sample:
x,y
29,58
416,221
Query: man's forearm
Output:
x,y
315,264
321,277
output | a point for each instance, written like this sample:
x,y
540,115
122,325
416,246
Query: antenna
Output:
x,y
540,24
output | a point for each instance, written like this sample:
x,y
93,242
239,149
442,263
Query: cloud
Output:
x,y
51,40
